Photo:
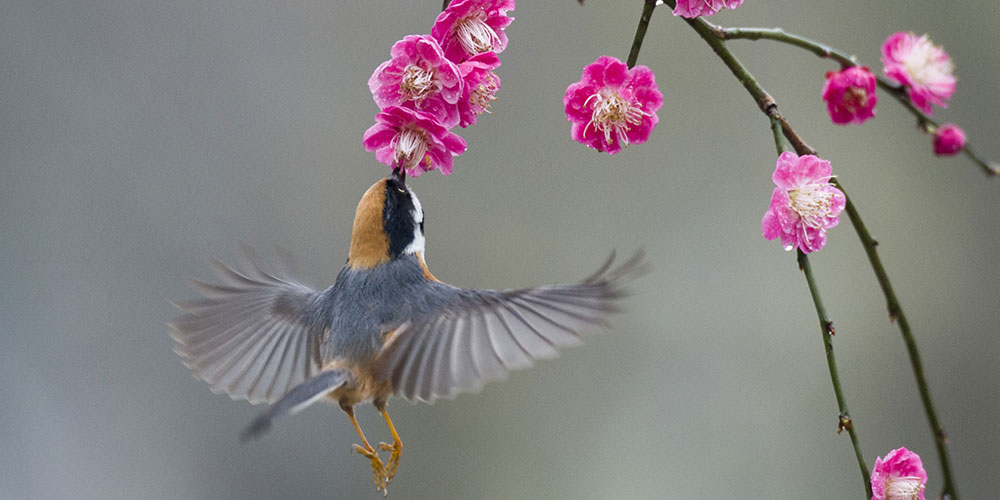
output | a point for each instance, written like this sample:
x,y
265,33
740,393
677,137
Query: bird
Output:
x,y
386,327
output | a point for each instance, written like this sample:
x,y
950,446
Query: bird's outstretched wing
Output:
x,y
249,337
480,335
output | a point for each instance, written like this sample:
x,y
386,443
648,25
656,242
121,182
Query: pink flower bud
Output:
x,y
949,139
850,95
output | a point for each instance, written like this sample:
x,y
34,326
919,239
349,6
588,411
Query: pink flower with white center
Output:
x,y
694,8
949,139
922,67
480,85
413,140
613,106
804,204
850,95
470,27
419,77
900,476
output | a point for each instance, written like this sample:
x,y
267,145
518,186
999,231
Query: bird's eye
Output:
x,y
401,190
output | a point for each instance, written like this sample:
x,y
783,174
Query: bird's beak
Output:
x,y
399,175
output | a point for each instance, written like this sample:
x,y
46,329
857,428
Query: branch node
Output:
x,y
942,436
843,423
768,106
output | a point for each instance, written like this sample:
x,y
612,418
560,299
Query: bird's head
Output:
x,y
388,223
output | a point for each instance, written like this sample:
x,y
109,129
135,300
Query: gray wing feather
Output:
x,y
250,336
477,336
298,398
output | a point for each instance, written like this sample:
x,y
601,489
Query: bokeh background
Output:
x,y
139,138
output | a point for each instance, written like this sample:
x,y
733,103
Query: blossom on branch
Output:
x,y
470,27
850,95
900,476
413,140
419,77
694,8
804,204
479,86
949,139
612,106
924,69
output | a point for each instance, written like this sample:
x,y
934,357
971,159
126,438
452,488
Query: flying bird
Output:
x,y
386,327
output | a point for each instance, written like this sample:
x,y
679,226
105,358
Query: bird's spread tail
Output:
x,y
301,396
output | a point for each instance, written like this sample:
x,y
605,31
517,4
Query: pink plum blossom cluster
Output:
x,y
804,204
922,69
433,83
898,476
850,95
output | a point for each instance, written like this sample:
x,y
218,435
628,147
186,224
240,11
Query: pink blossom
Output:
x,y
480,85
850,95
419,77
900,476
694,8
804,204
470,27
413,140
922,67
613,106
949,139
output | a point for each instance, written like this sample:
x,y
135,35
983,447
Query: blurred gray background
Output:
x,y
139,138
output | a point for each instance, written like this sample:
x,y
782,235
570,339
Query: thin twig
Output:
x,y
896,314
640,31
778,34
844,420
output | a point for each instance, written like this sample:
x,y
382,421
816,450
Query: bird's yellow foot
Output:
x,y
396,449
378,468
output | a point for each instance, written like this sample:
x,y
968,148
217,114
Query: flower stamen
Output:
x,y
474,35
813,203
903,488
484,94
410,148
418,83
924,63
613,114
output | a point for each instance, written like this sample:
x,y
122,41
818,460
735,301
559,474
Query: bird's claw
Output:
x,y
396,449
378,468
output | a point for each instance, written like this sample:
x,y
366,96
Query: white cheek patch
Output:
x,y
417,245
